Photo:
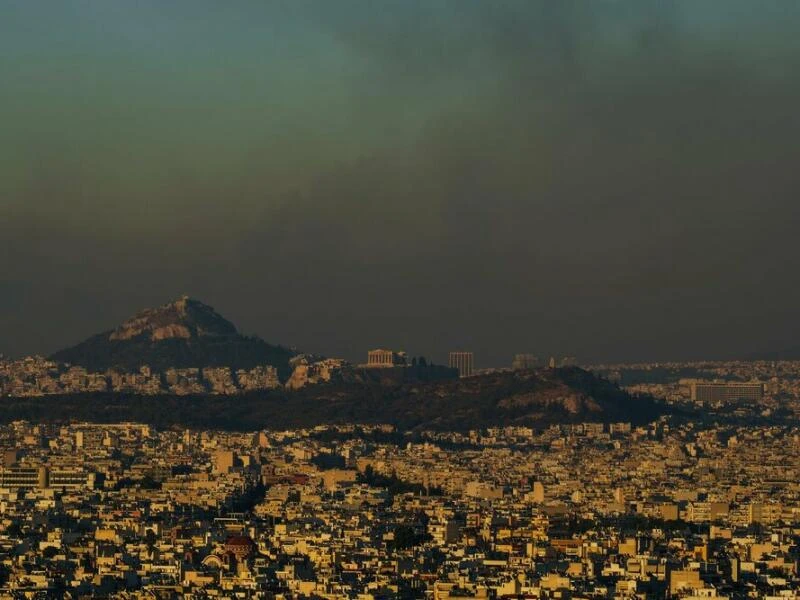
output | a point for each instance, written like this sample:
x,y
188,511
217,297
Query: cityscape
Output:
x,y
700,501
399,300
589,510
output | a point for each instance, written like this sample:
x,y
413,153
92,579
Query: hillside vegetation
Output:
x,y
535,398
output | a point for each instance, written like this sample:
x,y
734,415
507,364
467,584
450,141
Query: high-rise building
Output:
x,y
463,361
726,392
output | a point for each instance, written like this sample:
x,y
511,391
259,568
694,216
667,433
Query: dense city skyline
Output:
x,y
610,180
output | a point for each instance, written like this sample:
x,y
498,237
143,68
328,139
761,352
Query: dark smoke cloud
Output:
x,y
609,179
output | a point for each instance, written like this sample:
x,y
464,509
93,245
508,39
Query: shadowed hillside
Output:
x,y
536,398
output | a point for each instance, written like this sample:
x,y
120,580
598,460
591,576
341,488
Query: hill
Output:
x,y
183,333
534,398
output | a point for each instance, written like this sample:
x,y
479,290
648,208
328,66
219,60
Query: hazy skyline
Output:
x,y
613,180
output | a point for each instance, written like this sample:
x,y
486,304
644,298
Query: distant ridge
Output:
x,y
181,334
535,398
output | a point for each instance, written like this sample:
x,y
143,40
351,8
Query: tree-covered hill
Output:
x,y
535,398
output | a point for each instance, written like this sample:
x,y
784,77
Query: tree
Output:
x,y
150,538
404,537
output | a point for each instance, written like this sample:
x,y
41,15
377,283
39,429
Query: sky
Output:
x,y
609,179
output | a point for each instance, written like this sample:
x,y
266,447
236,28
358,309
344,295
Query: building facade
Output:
x,y
726,392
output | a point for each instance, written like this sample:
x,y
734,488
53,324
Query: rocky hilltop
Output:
x,y
185,318
185,333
